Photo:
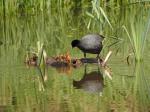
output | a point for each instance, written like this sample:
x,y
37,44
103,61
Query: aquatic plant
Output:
x,y
37,56
137,32
36,6
98,14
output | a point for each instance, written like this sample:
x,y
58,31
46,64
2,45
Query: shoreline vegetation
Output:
x,y
126,23
37,6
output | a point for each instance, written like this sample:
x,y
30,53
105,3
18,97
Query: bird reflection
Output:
x,y
91,82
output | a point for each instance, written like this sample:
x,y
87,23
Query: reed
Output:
x,y
137,32
98,15
36,6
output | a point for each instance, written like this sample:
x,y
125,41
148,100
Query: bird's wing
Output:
x,y
91,41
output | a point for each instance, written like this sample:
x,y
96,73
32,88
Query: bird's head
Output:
x,y
75,43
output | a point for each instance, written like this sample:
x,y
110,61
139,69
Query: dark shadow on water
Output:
x,y
91,82
3,108
1,43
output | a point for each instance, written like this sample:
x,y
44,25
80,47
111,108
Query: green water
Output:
x,y
85,89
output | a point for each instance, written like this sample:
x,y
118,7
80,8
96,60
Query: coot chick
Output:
x,y
91,43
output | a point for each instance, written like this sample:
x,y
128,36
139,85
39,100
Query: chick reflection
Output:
x,y
91,82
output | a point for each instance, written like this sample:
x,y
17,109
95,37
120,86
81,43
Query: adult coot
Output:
x,y
91,43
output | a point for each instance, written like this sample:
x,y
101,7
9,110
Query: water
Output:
x,y
84,89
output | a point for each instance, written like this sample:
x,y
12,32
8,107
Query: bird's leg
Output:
x,y
98,59
84,55
85,69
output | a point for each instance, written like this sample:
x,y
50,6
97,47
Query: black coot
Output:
x,y
91,43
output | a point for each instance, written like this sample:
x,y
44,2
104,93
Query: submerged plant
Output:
x,y
137,33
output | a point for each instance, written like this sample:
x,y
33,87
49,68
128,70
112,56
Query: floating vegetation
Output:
x,y
38,57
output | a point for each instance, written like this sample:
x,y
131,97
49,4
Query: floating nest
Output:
x,y
56,61
64,60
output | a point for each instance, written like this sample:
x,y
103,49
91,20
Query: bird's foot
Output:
x,y
98,60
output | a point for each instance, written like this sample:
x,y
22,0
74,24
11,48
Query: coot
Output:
x,y
91,43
